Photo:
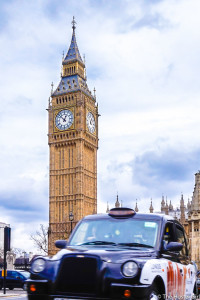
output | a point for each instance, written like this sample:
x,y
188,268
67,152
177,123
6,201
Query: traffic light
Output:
x,y
7,236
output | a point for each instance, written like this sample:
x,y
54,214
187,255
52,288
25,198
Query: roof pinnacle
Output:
x,y
52,88
117,204
73,24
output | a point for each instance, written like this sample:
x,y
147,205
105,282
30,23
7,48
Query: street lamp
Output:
x,y
71,218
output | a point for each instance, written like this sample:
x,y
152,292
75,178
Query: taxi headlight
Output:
x,y
130,269
38,265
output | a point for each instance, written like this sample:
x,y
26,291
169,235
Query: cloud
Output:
x,y
149,176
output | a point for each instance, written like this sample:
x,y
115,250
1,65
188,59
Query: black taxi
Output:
x,y
119,255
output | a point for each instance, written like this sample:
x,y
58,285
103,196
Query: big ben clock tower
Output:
x,y
73,143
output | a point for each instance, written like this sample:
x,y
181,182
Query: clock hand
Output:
x,y
63,118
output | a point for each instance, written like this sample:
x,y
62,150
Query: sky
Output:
x,y
142,56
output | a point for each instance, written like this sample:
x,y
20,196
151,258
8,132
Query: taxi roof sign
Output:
x,y
121,212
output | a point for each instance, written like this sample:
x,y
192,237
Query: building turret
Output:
x,y
136,207
170,206
196,194
107,210
151,207
182,209
166,208
163,205
117,204
189,205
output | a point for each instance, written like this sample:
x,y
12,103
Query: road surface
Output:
x,y
14,294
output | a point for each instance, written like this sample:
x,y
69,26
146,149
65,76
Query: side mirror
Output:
x,y
61,244
174,246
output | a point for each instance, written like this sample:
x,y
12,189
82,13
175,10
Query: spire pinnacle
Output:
x,y
117,204
151,207
52,88
107,210
136,207
73,24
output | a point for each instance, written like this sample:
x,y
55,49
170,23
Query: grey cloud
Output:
x,y
152,21
167,170
153,173
25,204
169,165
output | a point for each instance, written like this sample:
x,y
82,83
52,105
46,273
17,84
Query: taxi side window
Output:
x,y
168,234
180,238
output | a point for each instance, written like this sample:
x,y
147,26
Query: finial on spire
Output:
x,y
107,210
117,204
94,93
136,207
73,24
52,88
151,207
63,55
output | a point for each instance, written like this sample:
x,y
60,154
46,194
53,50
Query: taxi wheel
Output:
x,y
154,294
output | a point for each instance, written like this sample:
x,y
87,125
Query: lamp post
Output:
x,y
71,218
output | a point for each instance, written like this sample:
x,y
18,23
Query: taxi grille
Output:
x,y
77,275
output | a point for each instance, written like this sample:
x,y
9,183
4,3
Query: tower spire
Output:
x,y
73,52
73,76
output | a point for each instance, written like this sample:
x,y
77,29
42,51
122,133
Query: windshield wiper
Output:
x,y
135,245
98,243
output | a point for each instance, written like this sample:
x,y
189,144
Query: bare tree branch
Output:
x,y
40,239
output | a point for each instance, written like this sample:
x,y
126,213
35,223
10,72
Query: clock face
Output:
x,y
90,122
64,119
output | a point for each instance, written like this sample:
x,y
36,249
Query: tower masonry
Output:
x,y
73,143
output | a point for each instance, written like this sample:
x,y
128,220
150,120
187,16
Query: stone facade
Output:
x,y
189,216
194,222
73,143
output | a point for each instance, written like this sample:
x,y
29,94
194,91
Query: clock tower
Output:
x,y
73,143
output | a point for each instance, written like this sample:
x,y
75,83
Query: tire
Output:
x,y
1,286
154,294
11,288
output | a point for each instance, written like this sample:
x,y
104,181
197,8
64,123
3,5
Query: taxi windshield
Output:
x,y
116,232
